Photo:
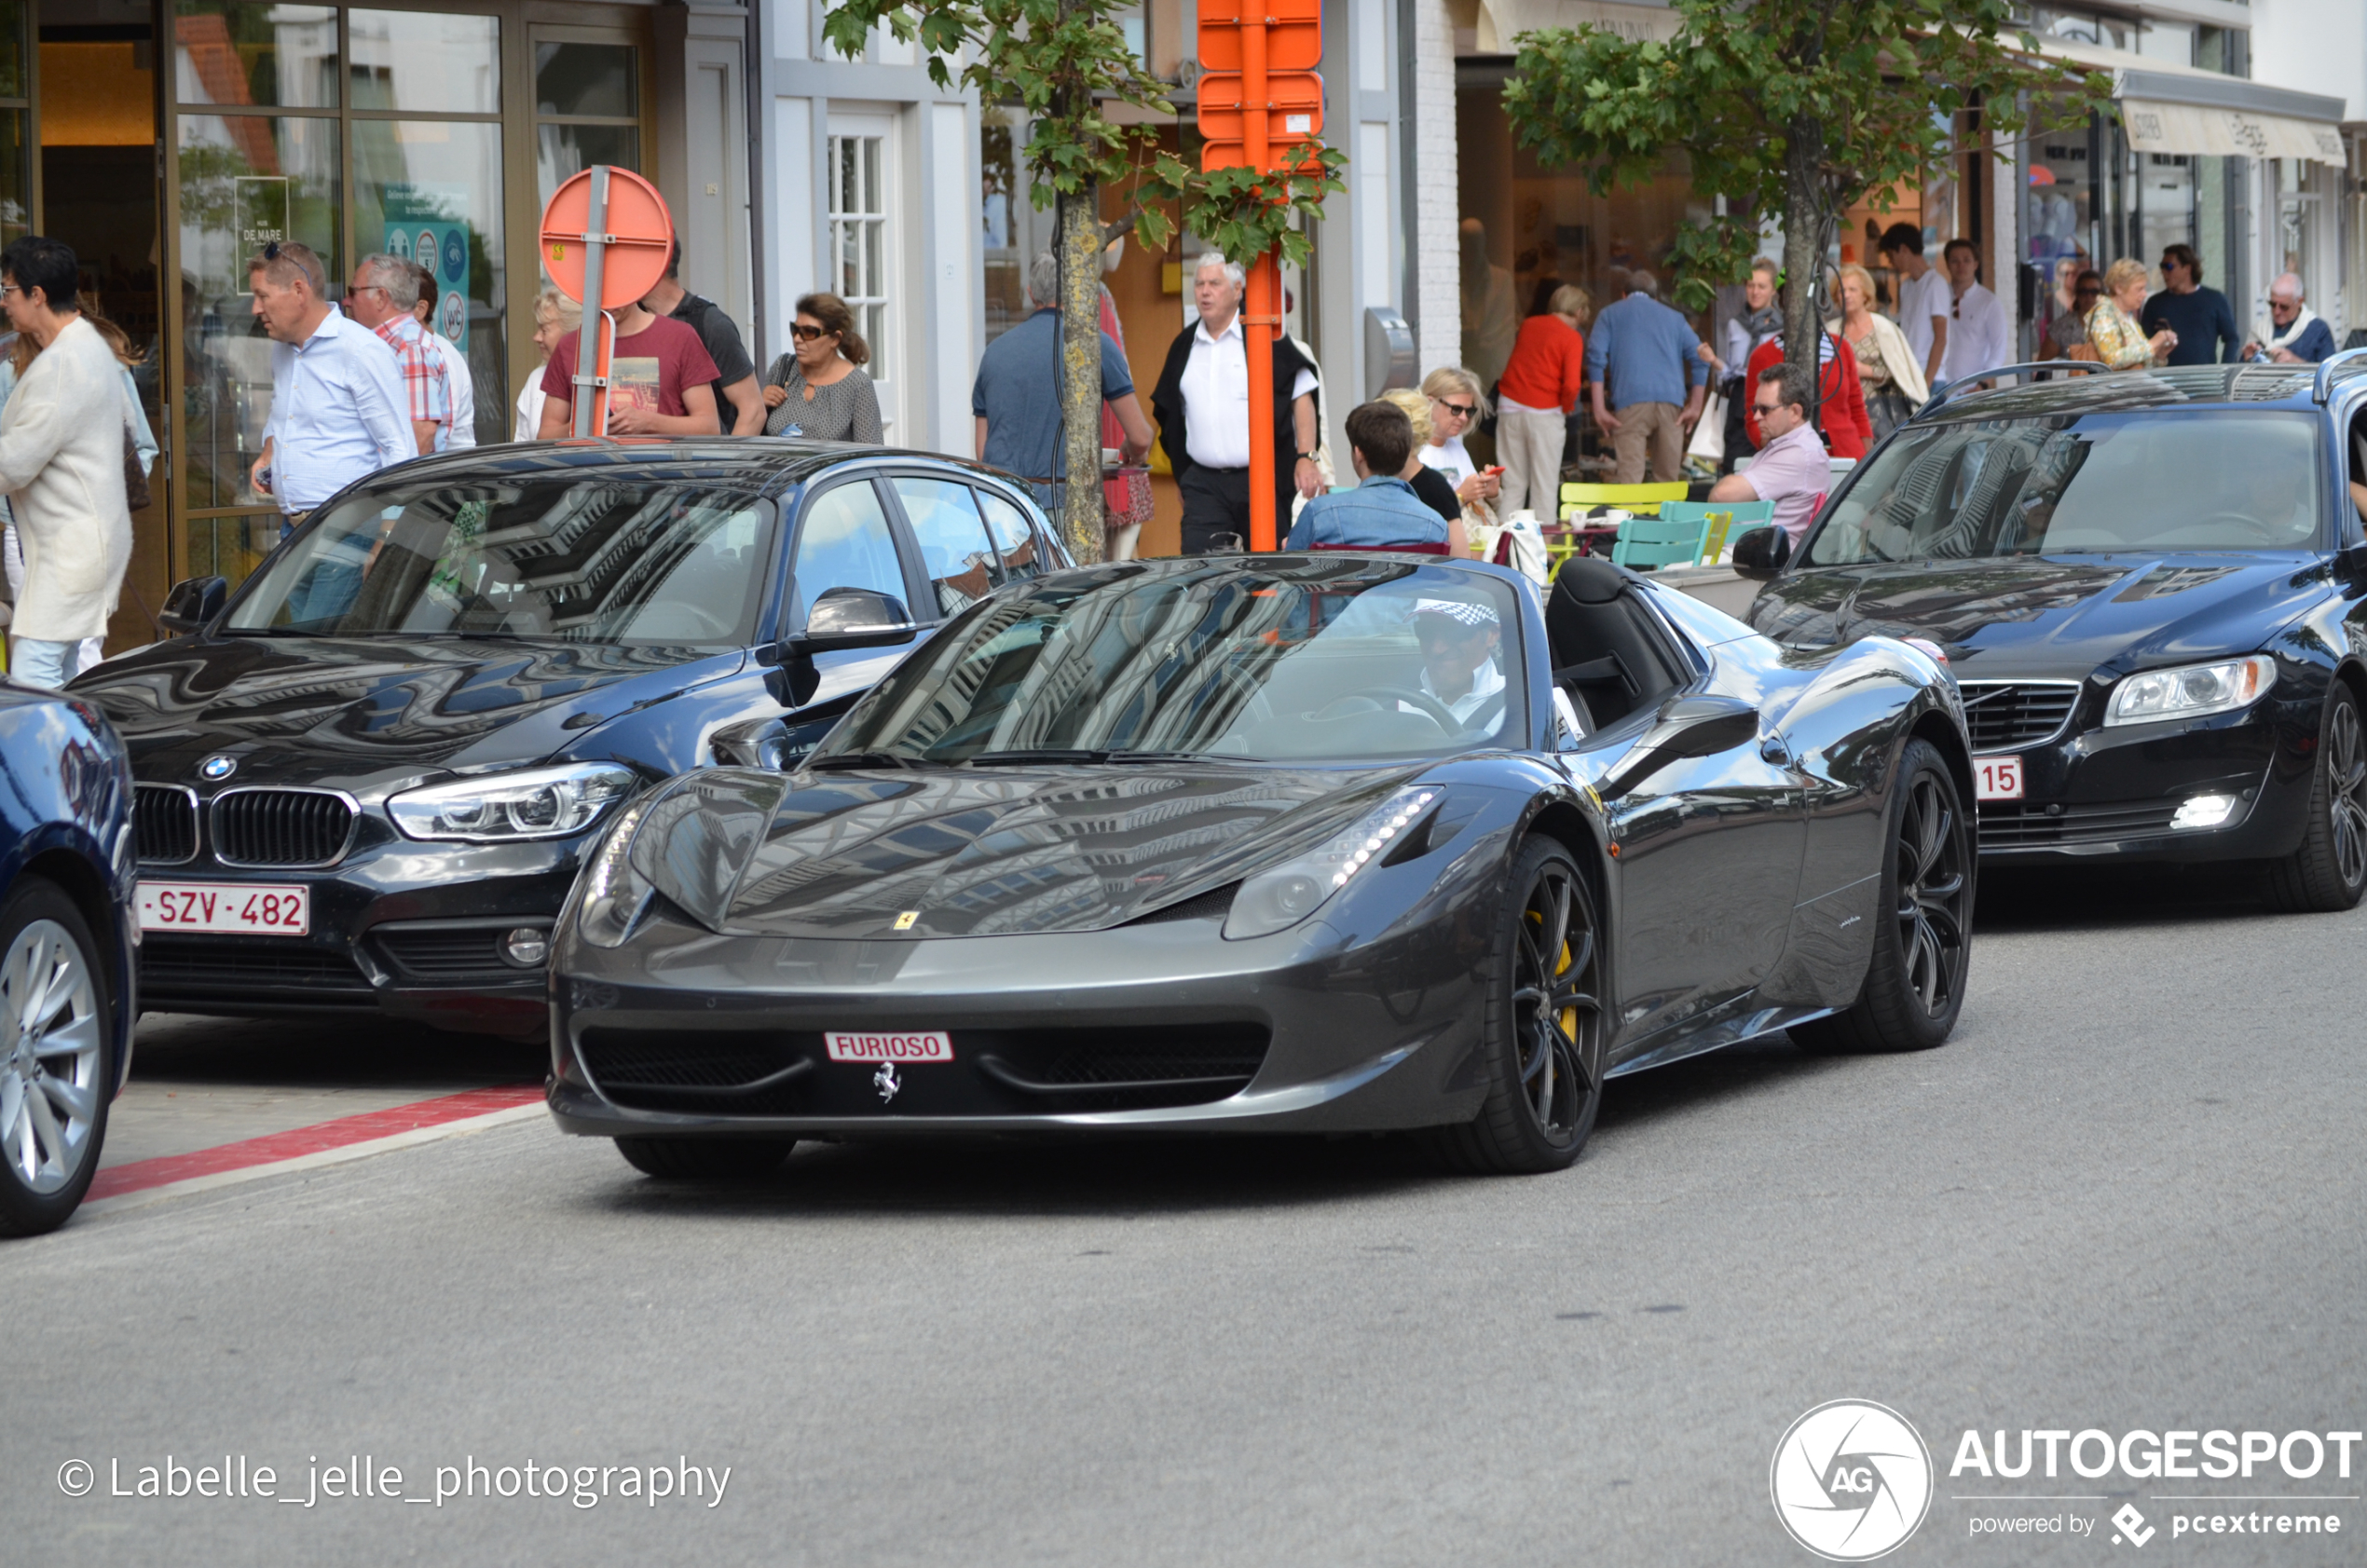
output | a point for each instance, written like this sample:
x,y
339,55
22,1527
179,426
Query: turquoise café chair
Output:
x,y
1646,542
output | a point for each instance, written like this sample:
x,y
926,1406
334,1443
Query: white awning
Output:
x,y
2155,127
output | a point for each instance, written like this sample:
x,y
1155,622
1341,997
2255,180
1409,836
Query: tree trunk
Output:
x,y
1803,258
1080,390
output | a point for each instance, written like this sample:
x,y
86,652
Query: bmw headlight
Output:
x,y
2190,690
609,895
1281,896
502,808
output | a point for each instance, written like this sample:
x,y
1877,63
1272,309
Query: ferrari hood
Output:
x,y
320,710
977,851
2046,616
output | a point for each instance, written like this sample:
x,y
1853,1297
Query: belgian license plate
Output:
x,y
248,908
925,1045
1997,778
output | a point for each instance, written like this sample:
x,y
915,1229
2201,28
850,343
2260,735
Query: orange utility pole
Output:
x,y
1258,58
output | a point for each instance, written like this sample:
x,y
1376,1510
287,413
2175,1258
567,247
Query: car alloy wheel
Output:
x,y
2347,787
1541,1033
2328,870
1931,891
54,1083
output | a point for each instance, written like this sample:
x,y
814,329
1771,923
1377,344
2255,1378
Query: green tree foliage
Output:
x,y
1062,62
1796,107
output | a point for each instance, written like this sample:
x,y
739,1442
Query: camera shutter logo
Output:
x,y
1851,1480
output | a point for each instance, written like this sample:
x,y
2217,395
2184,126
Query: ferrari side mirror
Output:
x,y
754,742
193,602
1687,727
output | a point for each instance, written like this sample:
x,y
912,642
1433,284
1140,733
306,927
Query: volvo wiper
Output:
x,y
1022,757
858,759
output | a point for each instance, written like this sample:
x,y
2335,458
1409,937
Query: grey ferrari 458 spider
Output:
x,y
1300,842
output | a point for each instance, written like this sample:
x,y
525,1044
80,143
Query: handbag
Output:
x,y
1709,431
136,494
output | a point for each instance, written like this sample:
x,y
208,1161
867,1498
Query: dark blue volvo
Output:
x,y
2152,588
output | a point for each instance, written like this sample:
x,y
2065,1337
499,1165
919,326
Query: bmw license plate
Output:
x,y
248,909
925,1045
1997,778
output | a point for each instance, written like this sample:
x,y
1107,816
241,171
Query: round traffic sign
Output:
x,y
642,230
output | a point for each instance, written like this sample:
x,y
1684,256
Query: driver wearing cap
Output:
x,y
1459,640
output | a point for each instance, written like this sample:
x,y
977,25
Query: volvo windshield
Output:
x,y
608,561
1235,658
2079,484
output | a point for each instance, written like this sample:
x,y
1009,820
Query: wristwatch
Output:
x,y
1306,457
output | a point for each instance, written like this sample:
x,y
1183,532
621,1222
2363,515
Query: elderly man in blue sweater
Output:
x,y
1382,512
1651,359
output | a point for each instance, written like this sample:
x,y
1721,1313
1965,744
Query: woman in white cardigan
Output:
x,y
61,465
1886,367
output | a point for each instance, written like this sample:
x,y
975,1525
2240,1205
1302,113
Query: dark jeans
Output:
x,y
1216,501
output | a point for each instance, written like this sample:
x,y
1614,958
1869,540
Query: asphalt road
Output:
x,y
2127,1195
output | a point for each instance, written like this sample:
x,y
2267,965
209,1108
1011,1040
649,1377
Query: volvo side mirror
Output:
x,y
193,602
853,618
1688,727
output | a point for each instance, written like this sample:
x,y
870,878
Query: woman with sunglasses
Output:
x,y
1454,403
819,388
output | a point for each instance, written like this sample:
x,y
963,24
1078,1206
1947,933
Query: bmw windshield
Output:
x,y
631,562
2077,483
1246,660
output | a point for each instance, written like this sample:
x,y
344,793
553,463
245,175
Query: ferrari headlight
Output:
x,y
1281,896
2190,690
610,896
502,808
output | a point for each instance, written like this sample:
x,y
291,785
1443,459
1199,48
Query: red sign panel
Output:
x,y
1293,34
1293,98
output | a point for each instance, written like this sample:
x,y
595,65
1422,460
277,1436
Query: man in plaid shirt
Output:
x,y
380,297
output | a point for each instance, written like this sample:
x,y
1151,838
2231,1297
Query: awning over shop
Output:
x,y
2196,131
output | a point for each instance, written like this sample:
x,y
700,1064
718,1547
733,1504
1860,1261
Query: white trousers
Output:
x,y
12,561
1529,441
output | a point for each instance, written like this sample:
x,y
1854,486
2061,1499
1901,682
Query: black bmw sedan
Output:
x,y
366,777
2152,588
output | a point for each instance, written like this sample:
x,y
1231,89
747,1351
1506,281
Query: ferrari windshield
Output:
x,y
1243,658
575,560
2151,480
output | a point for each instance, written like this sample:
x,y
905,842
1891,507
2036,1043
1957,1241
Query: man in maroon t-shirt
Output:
x,y
661,381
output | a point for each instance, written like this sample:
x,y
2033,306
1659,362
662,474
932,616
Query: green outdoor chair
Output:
x,y
1659,541
1723,522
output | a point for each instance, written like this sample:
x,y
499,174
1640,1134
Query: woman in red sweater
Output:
x,y
1848,431
1535,398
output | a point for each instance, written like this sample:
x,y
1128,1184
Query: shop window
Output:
x,y
587,105
229,52
424,63
16,115
859,235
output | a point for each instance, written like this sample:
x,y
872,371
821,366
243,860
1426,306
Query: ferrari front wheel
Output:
x,y
1541,1030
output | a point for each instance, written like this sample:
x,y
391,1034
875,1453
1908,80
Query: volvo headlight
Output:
x,y
2190,690
1281,896
502,808
609,895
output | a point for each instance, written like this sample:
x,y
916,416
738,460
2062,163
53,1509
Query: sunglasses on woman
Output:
x,y
804,333
1465,409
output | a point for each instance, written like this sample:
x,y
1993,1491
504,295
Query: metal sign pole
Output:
x,y
591,364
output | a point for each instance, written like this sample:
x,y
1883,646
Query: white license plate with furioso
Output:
x,y
922,1045
1997,778
247,908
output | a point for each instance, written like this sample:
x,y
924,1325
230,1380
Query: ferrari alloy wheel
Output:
x,y
2329,871
1915,982
54,1072
705,1159
1542,1032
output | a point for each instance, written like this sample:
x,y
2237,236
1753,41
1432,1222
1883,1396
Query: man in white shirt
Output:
x,y
1924,300
1460,639
1976,331
455,364
1202,403
338,407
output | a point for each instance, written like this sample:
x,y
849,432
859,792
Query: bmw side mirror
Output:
x,y
853,618
1688,727
193,602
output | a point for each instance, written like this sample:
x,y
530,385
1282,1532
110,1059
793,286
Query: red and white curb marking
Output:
x,y
326,1143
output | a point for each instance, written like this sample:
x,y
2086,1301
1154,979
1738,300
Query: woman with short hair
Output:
x,y
1886,368
1536,397
556,318
818,385
2113,336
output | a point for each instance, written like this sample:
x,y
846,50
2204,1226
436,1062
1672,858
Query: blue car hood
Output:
x,y
2049,616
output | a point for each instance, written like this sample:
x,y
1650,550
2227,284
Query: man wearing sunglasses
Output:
x,y
1460,639
2293,333
1792,468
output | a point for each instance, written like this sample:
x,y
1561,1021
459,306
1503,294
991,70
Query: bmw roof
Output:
x,y
770,464
2081,393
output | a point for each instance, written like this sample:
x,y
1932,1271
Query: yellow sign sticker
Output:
x,y
558,251
904,921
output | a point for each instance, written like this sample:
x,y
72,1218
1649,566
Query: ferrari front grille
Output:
x,y
282,827
2015,716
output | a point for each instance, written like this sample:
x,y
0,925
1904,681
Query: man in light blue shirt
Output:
x,y
337,402
1382,512
1652,361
